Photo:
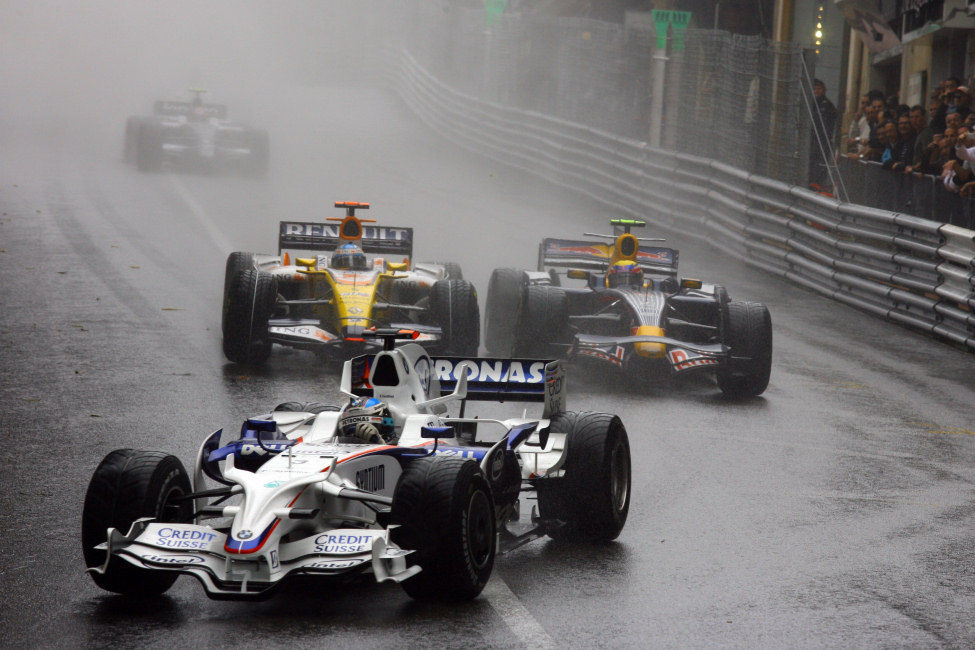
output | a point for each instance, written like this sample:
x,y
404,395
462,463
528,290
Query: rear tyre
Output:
x,y
543,317
445,514
130,146
592,500
455,310
250,304
149,153
236,262
748,332
128,485
503,305
305,407
453,271
257,163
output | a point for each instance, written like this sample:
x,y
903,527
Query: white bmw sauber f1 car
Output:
x,y
428,507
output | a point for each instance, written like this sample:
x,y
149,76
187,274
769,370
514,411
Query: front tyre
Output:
x,y
748,332
503,306
445,513
591,501
129,485
236,262
250,304
455,310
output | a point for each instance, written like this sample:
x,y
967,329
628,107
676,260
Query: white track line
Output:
x,y
498,594
218,238
529,631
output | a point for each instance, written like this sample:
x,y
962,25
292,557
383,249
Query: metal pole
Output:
x,y
657,98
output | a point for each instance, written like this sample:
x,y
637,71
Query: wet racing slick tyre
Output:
x,y
149,151
591,501
543,317
748,332
132,127
256,164
453,271
454,307
236,262
305,407
128,485
445,513
503,305
250,304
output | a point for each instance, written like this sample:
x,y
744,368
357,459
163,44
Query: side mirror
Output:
x,y
398,266
436,432
688,283
578,274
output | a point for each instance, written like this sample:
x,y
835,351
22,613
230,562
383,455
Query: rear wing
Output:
x,y
495,380
300,235
175,109
580,254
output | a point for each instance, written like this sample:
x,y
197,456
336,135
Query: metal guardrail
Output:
x,y
909,270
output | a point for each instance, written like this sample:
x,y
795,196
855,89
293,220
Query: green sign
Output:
x,y
493,10
679,20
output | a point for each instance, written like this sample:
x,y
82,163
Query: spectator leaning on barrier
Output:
x,y
924,134
958,173
902,146
953,121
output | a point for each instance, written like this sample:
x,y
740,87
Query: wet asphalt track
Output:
x,y
835,510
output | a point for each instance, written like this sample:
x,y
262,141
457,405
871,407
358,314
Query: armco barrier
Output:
x,y
909,270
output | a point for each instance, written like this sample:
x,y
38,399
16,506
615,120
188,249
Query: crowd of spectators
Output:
x,y
939,141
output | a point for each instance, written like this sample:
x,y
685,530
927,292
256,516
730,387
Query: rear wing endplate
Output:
x,y
301,235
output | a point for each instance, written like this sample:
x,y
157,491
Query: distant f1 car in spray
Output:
x,y
194,136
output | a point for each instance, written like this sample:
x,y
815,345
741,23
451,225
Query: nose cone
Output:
x,y
649,350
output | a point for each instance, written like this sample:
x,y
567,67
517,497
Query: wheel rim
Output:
x,y
479,534
619,476
170,512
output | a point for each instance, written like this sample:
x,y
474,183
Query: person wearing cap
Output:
x,y
960,102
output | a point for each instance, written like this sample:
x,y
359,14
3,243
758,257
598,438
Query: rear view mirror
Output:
x,y
577,274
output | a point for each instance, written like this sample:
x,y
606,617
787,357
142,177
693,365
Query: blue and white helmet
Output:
x,y
368,419
349,257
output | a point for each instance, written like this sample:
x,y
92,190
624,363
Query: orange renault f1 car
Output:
x,y
322,291
632,314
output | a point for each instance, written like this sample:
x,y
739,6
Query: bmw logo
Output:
x,y
244,534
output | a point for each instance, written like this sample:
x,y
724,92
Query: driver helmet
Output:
x,y
625,273
368,419
349,257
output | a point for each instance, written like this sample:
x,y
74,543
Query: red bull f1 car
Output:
x,y
194,136
631,313
390,485
325,288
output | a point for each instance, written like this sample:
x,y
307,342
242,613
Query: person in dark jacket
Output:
x,y
901,145
824,125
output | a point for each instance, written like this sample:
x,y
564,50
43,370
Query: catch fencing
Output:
x,y
909,270
736,99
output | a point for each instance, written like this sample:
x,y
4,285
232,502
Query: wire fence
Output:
x,y
736,99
